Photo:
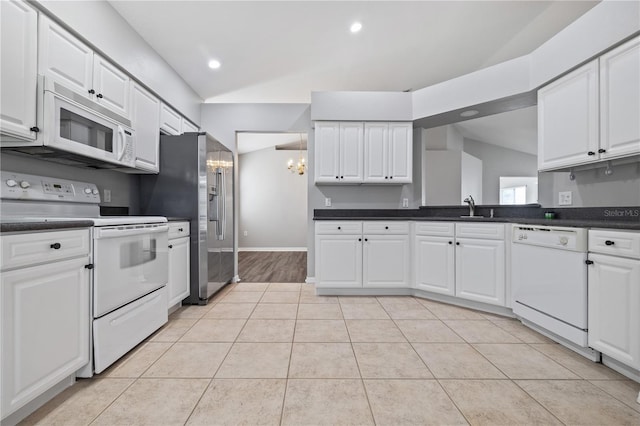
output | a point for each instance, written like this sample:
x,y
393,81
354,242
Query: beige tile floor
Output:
x,y
274,353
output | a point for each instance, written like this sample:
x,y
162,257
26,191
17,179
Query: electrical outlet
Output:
x,y
405,203
107,195
245,233
564,198
327,202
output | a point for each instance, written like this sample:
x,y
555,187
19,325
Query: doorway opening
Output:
x,y
272,201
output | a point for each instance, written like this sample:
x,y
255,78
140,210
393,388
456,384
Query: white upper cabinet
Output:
x,y
592,113
187,126
376,148
327,152
67,60
111,86
400,152
170,121
64,58
568,119
620,100
351,152
356,152
145,116
18,69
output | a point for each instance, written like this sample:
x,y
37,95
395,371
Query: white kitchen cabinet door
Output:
x,y
327,152
187,126
145,117
339,261
18,69
112,86
620,101
434,264
386,261
351,152
45,324
376,152
400,161
480,270
170,121
568,117
614,307
178,287
64,58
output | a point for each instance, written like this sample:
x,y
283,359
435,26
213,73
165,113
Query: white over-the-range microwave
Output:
x,y
74,130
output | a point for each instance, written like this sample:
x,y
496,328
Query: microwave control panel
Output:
x,y
20,186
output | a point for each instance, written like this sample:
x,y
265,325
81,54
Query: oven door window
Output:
x,y
82,130
138,252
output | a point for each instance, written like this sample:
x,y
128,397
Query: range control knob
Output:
x,y
24,184
11,183
87,191
564,241
95,191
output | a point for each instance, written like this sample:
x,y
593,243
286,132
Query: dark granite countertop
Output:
x,y
616,217
178,219
10,226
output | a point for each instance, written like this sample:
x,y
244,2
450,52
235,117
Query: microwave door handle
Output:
x,y
121,144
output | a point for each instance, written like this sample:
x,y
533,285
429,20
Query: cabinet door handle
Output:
x,y
92,92
170,245
359,239
602,150
386,227
386,177
366,239
55,246
450,242
99,95
341,177
390,177
591,153
337,177
457,243
180,230
588,262
609,242
89,266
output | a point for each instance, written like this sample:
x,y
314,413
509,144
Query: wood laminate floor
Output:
x,y
272,266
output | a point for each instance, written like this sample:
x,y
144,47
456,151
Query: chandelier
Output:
x,y
301,166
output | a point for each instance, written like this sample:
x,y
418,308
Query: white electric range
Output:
x,y
129,257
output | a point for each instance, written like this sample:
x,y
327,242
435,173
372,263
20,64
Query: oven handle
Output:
x,y
127,232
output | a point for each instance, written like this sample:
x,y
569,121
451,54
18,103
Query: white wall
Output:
x,y
273,201
498,161
361,106
106,30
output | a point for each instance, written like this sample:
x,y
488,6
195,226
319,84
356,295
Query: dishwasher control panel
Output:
x,y
564,238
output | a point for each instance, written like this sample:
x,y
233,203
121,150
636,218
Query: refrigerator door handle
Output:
x,y
213,202
222,204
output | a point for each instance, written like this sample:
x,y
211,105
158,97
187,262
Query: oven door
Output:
x,y
130,262
73,128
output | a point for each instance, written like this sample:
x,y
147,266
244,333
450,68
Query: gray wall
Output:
x,y
273,201
124,187
498,161
592,188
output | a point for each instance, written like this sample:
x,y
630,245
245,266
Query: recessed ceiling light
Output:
x,y
356,27
214,65
469,113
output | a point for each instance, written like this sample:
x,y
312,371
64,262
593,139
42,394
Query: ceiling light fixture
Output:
x,y
214,64
356,27
469,113
301,166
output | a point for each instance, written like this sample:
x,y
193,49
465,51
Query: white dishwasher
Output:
x,y
549,279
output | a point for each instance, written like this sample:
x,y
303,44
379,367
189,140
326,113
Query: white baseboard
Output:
x,y
272,249
310,280
235,279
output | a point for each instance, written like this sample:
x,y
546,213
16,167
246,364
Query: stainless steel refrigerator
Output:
x,y
196,182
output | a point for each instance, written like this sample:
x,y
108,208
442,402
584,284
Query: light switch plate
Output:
x,y
405,203
327,202
564,198
107,195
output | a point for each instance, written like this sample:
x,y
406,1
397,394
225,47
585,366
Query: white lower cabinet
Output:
x,y
480,273
362,254
45,322
178,287
614,295
339,260
434,264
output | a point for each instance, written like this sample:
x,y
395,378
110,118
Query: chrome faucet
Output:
x,y
472,205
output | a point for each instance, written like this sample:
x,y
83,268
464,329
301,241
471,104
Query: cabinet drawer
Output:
x,y
445,229
339,227
489,231
381,228
34,248
178,229
618,243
